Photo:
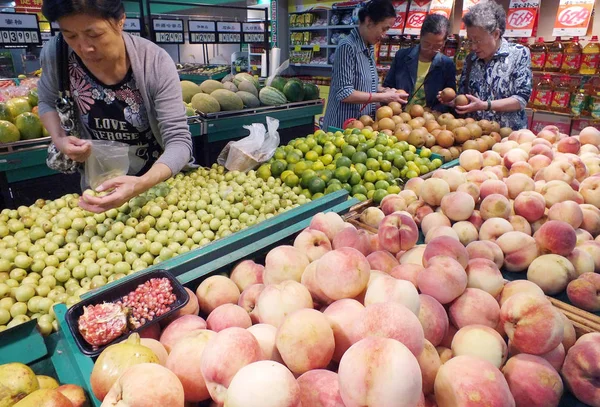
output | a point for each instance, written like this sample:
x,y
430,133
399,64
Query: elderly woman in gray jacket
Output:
x,y
125,89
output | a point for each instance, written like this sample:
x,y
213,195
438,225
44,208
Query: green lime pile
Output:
x,y
366,163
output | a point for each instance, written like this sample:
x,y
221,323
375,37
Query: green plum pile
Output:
x,y
54,251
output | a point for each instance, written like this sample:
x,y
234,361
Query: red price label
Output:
x,y
520,18
416,19
573,16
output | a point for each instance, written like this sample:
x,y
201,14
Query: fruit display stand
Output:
x,y
188,75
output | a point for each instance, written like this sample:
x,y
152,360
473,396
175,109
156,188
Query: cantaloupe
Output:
x,y
230,86
205,103
210,86
249,87
240,77
188,90
250,101
228,100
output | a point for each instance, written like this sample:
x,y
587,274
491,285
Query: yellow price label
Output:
x,y
254,68
238,69
297,48
316,48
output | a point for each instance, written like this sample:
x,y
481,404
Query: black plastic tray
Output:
x,y
116,293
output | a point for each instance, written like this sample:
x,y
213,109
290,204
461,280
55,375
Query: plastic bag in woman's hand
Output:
x,y
108,159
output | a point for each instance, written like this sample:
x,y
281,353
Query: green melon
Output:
x,y
8,132
5,113
271,97
189,89
16,106
279,83
240,77
29,125
294,91
32,97
250,101
205,103
311,91
228,100
249,87
210,86
230,86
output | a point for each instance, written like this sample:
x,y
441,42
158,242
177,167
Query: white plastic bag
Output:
x,y
108,159
247,153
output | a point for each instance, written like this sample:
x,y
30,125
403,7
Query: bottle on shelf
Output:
x,y
590,58
543,93
579,103
461,55
595,105
562,95
451,46
384,50
572,57
538,55
554,56
395,44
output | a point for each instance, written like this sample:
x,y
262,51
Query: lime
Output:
x,y
386,165
411,174
334,181
355,131
329,148
373,164
359,157
370,176
342,173
393,189
330,167
278,167
425,152
409,155
348,151
318,149
322,138
326,159
381,148
291,180
307,176
343,162
339,142
399,162
292,157
300,167
319,133
353,140
311,155
360,168
390,155
316,185
285,174
423,169
306,193
370,186
372,153
359,189
264,171
332,188
347,187
303,147
360,197
412,148
362,147
382,139
355,178
325,174
437,162
379,195
381,175
317,165
382,185
370,193
395,172
317,195
290,167
370,143
311,142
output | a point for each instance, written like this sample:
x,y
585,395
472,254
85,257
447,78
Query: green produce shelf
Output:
x,y
198,79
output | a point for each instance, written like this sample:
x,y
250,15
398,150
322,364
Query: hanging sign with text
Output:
x,y
467,4
416,15
443,7
133,26
18,29
253,32
229,32
202,32
521,18
168,31
573,18
401,8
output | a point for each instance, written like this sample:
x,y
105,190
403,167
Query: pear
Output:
x,y
16,382
45,398
47,382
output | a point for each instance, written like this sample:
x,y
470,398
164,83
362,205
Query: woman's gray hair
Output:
x,y
487,15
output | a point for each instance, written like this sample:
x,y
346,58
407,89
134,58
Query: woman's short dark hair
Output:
x,y
435,24
107,9
377,11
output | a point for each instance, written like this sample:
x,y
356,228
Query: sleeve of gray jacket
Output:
x,y
48,83
170,114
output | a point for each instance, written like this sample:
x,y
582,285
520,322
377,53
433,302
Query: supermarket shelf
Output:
x,y
326,66
312,45
255,54
323,27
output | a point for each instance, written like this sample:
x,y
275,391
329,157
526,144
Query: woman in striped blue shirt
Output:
x,y
355,85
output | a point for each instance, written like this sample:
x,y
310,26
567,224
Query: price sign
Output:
x,y
18,29
253,32
573,17
401,8
466,6
316,48
416,15
133,26
168,31
229,32
202,32
297,48
443,7
521,18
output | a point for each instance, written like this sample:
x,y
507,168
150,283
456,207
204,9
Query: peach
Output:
x,y
569,333
519,250
542,149
557,237
555,357
342,316
224,355
248,300
567,211
343,273
433,220
284,263
538,162
491,158
505,146
180,328
445,246
313,243
466,232
216,290
476,177
458,205
382,260
320,388
533,381
441,231
433,190
184,360
276,301
372,216
247,273
492,186
351,237
514,156
485,275
476,219
191,308
263,383
413,256
590,135
408,272
583,235
227,316
560,171
444,353
305,341
393,203
520,224
551,273
414,184
453,178
408,196
581,170
433,318
329,223
530,205
485,249
517,183
429,362
568,145
590,190
265,335
519,286
471,160
559,191
398,232
309,280
495,206
591,219
379,372
580,370
471,189
584,292
468,380
418,210
532,323
444,279
389,289
474,307
535,226
480,341
541,141
390,320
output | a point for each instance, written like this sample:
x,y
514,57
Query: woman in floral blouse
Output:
x,y
497,77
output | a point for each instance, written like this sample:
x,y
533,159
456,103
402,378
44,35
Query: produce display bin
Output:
x,y
198,79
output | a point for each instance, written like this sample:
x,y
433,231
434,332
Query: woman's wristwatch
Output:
x,y
489,105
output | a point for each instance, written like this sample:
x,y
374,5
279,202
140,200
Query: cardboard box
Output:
x,y
543,119
580,124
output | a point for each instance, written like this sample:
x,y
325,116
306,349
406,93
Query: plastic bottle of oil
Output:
x,y
543,93
579,103
538,55
595,105
395,44
590,59
554,56
451,46
562,95
572,58
461,55
384,50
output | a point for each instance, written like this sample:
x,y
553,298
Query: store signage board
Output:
x,y
229,32
417,12
521,18
443,7
274,23
168,31
133,26
401,8
202,32
467,4
573,18
18,29
253,32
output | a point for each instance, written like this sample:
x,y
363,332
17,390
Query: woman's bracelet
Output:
x,y
370,98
